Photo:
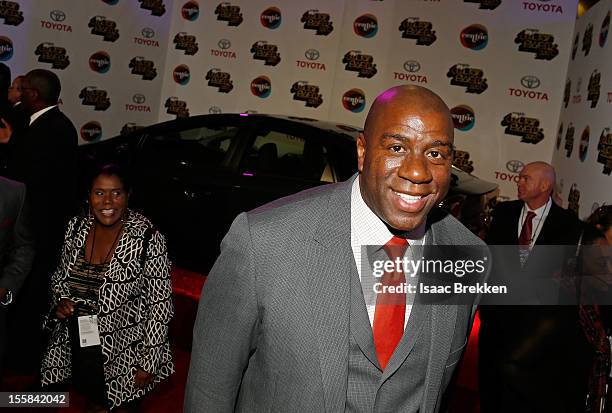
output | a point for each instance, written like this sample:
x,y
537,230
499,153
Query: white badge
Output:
x,y
89,334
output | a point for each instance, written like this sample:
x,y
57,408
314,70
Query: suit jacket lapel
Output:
x,y
329,289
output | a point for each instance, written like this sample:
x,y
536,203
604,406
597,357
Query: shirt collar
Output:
x,y
540,211
38,114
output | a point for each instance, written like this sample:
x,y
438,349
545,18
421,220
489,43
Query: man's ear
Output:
x,y
361,150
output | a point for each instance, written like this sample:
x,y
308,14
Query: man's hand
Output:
x,y
5,132
65,308
142,378
3,293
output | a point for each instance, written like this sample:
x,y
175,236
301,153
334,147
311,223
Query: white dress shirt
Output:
x,y
368,229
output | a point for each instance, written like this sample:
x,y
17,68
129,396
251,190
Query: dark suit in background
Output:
x,y
530,357
16,248
43,156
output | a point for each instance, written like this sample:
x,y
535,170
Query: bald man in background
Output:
x,y
283,324
531,357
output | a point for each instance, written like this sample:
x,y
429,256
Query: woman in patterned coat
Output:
x,y
113,277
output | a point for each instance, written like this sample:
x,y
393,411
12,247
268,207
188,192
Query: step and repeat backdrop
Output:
x,y
109,55
500,65
583,146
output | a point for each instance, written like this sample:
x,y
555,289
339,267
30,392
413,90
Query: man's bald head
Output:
x,y
407,96
536,183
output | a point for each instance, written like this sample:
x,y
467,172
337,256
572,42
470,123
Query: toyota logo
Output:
x,y
138,98
224,44
147,32
412,66
530,82
312,54
213,110
514,166
57,15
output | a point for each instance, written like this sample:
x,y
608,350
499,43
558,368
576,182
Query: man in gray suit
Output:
x,y
283,324
16,250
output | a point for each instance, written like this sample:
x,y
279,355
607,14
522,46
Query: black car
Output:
x,y
193,176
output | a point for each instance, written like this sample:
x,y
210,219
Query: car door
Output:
x,y
185,181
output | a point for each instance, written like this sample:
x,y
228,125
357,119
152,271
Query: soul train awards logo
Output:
x,y
49,53
91,131
226,12
421,31
186,42
587,39
145,68
261,87
604,148
567,92
559,136
363,64
6,48
575,45
190,10
594,87
542,44
221,80
573,199
469,77
463,117
366,26
101,26
9,11
321,22
307,93
485,4
603,32
463,162
520,125
354,100
156,7
92,96
271,18
129,128
176,107
267,52
569,140
100,62
181,74
474,37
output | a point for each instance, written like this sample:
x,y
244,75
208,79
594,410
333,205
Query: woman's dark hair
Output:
x,y
110,169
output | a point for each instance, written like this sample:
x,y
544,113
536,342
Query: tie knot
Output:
x,y
530,215
396,247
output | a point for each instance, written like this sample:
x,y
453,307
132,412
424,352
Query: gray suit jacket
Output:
x,y
272,331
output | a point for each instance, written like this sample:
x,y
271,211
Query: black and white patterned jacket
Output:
x,y
135,309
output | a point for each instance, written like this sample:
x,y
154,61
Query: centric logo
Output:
x,y
354,100
100,62
190,10
312,54
463,117
412,66
474,37
111,2
584,144
139,98
6,48
224,44
271,18
261,87
91,131
530,82
181,74
514,166
57,15
147,32
366,26
214,110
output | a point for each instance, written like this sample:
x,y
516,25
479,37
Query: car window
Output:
x,y
203,146
285,155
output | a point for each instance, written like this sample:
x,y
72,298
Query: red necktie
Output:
x,y
390,307
525,237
